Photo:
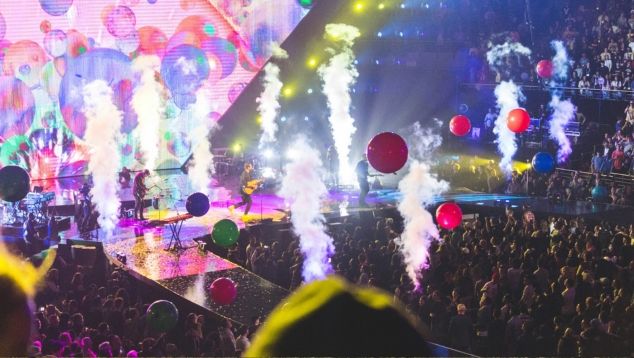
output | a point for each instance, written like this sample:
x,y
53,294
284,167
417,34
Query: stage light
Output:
x,y
381,6
237,147
312,62
359,6
402,6
268,173
400,34
259,120
283,119
291,153
287,92
306,118
268,153
380,34
310,90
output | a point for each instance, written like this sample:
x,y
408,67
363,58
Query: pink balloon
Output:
x,y
449,215
223,291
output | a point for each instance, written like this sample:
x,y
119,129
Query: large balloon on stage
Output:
x,y
162,316
15,183
599,193
223,291
225,233
518,120
460,125
449,215
197,204
387,152
544,69
543,162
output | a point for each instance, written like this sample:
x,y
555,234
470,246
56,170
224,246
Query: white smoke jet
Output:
x,y
418,189
269,104
201,168
147,102
498,56
560,61
196,293
507,94
338,75
303,188
563,111
103,131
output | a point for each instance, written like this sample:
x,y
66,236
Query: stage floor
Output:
x,y
189,273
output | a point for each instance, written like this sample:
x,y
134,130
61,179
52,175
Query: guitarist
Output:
x,y
246,188
362,177
139,193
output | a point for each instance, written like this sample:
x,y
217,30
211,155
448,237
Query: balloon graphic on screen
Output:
x,y
55,43
17,107
184,69
224,51
56,7
152,41
23,54
120,21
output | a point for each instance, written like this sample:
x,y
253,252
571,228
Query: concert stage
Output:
x,y
189,273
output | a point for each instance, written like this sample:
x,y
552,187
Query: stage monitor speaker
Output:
x,y
84,255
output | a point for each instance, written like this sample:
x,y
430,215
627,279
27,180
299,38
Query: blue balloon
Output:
x,y
543,162
599,193
197,204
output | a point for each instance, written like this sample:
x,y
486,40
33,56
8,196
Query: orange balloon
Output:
x,y
518,120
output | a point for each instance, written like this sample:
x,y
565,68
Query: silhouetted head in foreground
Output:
x,y
333,318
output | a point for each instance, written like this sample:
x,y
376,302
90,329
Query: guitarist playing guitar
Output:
x,y
247,186
139,192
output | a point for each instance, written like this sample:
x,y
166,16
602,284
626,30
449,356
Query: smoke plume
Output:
x,y
201,167
503,58
563,111
302,187
103,131
418,189
147,102
507,95
337,76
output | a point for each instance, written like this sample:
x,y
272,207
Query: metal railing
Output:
x,y
591,93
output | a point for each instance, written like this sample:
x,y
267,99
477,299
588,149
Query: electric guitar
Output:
x,y
141,192
252,186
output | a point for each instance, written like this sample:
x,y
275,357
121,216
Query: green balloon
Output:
x,y
162,316
225,233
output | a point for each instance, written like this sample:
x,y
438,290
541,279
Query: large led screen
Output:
x,y
50,49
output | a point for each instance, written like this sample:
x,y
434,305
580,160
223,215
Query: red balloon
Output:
x,y
387,152
449,215
223,291
460,125
545,69
518,120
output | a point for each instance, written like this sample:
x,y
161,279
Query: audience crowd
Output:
x,y
80,315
